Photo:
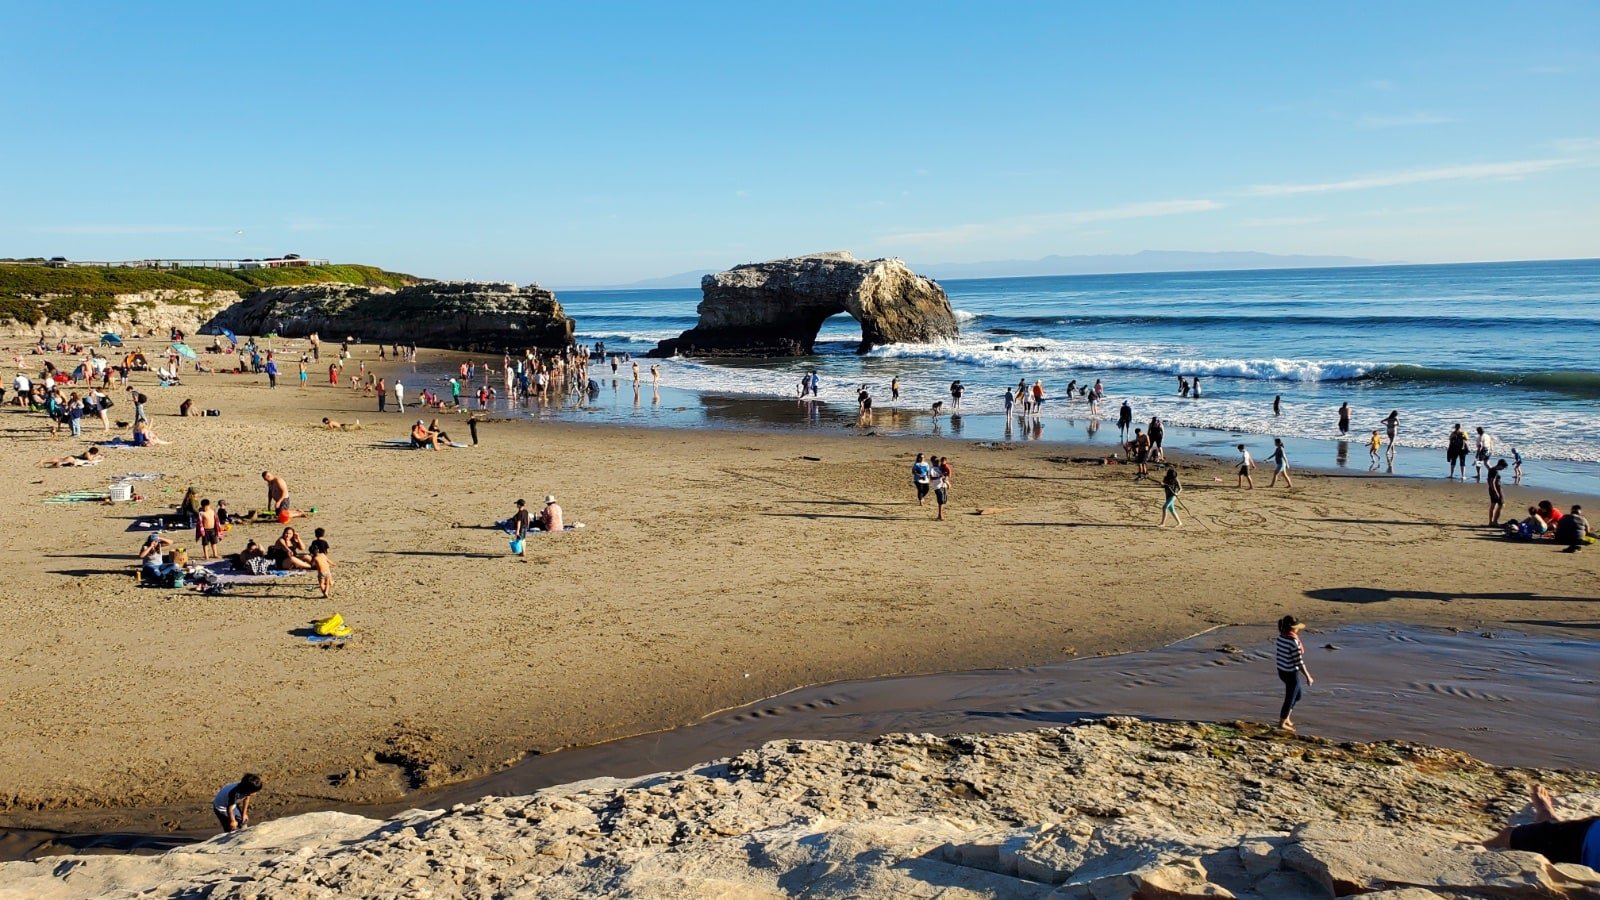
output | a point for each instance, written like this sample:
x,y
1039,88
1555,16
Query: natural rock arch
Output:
x,y
776,308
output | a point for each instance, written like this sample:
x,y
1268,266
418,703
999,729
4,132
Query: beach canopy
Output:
x,y
232,339
114,340
184,350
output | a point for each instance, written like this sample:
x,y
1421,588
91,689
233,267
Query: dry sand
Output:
x,y
717,568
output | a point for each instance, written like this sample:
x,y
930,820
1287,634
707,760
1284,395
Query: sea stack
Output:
x,y
776,308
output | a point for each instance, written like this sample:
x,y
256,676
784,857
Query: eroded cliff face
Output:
x,y
131,315
1112,809
776,308
466,315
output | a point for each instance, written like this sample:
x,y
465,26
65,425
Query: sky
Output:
x,y
599,143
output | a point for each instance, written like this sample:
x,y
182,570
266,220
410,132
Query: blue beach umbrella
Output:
x,y
184,350
232,339
111,340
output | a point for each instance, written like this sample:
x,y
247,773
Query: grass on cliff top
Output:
x,y
18,280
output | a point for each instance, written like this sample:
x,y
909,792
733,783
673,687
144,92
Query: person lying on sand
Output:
x,y
332,425
1575,841
89,457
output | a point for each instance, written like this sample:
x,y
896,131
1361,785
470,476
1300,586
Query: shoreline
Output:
x,y
1448,681
851,581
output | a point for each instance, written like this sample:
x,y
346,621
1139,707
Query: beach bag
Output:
x,y
516,545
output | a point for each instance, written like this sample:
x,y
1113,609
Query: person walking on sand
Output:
x,y
232,803
1497,497
1374,444
208,530
1290,654
322,562
399,396
922,478
1172,488
941,486
521,522
1280,464
1245,464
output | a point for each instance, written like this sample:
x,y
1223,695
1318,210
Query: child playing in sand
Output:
x,y
232,803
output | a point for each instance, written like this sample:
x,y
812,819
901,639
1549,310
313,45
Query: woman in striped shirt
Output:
x,y
1291,657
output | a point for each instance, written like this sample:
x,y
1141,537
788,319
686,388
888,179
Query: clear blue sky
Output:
x,y
582,143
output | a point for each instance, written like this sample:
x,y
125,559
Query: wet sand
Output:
x,y
1507,698
718,567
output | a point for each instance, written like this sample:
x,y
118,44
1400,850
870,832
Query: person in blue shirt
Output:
x,y
922,477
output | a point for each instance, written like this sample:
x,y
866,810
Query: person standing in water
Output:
x,y
1391,423
1290,654
894,388
1344,418
1277,404
1373,446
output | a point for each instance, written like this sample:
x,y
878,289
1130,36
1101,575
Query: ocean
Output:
x,y
1512,347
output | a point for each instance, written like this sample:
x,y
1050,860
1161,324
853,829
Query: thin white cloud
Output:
x,y
1403,121
1472,172
125,229
1281,221
1025,226
1380,84
1580,146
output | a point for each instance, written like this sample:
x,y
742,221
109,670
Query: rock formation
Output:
x,y
143,312
1110,810
460,315
776,308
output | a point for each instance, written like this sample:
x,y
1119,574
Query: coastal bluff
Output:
x,y
460,315
776,308
1109,810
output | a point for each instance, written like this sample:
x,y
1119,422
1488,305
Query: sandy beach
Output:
x,y
715,568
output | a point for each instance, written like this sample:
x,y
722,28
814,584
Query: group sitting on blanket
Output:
x,y
1547,522
428,437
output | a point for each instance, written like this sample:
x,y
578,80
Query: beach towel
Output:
x,y
139,476
406,442
327,638
79,497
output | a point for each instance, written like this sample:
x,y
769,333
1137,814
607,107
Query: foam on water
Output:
x,y
1048,354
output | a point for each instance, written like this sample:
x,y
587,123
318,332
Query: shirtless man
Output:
x,y
278,496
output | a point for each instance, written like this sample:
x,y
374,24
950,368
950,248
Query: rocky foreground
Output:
x,y
1114,809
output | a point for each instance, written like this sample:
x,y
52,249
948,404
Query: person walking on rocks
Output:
x,y
1291,658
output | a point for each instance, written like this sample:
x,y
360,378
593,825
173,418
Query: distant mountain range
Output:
x,y
1101,264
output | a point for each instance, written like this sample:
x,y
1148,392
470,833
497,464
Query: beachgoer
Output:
x,y
1124,420
88,457
423,438
521,522
941,486
232,803
145,436
1573,530
1516,462
1374,444
1038,394
1344,418
208,531
1291,658
956,389
278,497
153,567
1277,404
1575,841
1010,401
399,396
1497,497
1141,453
1483,446
550,520
1194,390
1245,464
1392,424
922,478
1280,464
1456,451
1158,436
1172,488
894,388
322,562
289,552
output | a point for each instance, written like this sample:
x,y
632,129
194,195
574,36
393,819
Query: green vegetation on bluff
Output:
x,y
88,294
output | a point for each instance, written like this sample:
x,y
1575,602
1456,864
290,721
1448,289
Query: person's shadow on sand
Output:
x,y
1380,595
